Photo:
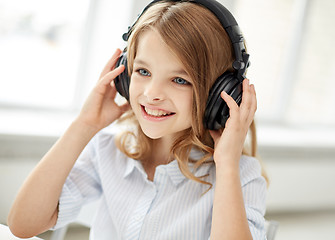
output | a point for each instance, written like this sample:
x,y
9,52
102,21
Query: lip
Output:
x,y
153,118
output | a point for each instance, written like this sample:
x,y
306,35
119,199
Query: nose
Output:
x,y
154,91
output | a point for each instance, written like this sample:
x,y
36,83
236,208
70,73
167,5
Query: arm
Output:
x,y
229,219
35,208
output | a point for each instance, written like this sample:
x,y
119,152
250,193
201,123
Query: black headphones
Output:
x,y
217,111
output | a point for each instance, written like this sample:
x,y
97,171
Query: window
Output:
x,y
52,53
290,43
40,50
49,49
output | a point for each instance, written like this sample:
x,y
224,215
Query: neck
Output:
x,y
161,151
160,154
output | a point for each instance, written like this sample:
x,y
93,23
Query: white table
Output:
x,y
5,234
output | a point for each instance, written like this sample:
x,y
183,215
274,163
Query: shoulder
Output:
x,y
250,169
103,138
103,145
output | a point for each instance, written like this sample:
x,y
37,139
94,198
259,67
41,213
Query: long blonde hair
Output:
x,y
198,39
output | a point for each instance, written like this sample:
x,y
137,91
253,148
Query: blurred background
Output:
x,y
52,52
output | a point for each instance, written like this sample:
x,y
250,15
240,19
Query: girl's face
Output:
x,y
160,89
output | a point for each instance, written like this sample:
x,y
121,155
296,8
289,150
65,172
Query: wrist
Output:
x,y
227,169
227,176
84,129
227,161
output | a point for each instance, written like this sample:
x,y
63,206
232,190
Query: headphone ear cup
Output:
x,y
236,94
217,111
122,81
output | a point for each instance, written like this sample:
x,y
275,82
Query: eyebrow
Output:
x,y
139,61
177,72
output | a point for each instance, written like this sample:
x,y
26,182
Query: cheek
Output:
x,y
188,106
134,89
190,101
132,97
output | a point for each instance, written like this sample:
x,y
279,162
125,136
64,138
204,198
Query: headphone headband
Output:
x,y
228,22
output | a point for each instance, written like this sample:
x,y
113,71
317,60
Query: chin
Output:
x,y
151,134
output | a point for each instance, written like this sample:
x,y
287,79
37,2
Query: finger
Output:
x,y
254,97
247,101
232,105
111,75
249,107
245,93
111,63
108,78
215,135
125,107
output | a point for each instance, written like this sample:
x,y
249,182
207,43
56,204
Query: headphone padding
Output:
x,y
236,94
122,81
214,103
216,89
217,111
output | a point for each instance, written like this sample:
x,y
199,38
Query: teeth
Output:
x,y
155,113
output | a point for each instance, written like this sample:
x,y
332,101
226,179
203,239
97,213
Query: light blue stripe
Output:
x,y
170,207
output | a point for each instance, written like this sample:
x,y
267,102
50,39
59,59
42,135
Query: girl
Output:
x,y
168,177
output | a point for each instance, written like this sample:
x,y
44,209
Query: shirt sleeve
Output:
x,y
81,186
254,189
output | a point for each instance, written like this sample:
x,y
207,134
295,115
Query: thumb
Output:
x,y
124,107
215,134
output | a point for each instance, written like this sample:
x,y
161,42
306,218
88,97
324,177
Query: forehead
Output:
x,y
151,48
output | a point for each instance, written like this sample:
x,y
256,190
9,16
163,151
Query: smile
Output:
x,y
155,113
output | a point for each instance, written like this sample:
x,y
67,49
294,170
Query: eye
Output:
x,y
143,72
181,81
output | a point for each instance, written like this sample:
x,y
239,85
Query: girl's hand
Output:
x,y
229,143
100,108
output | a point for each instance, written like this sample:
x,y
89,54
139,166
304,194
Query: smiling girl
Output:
x,y
169,177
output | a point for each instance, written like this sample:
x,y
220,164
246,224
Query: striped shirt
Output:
x,y
169,207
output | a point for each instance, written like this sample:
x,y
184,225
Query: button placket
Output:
x,y
143,206
160,176
158,183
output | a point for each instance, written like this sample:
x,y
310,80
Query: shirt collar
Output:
x,y
177,176
131,165
172,168
174,172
